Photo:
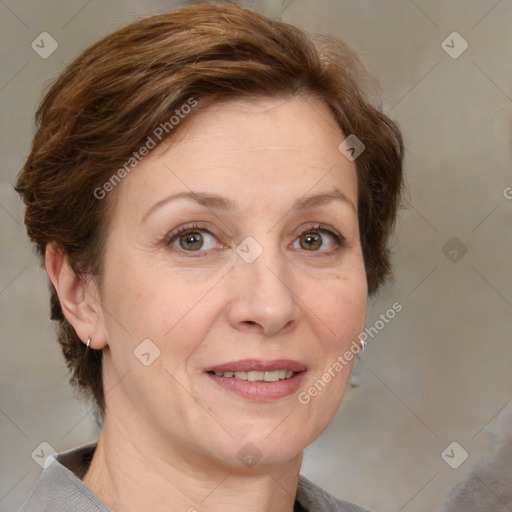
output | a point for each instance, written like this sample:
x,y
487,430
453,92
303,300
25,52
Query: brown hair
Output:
x,y
108,101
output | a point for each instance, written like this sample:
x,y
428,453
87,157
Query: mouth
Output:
x,y
257,380
254,376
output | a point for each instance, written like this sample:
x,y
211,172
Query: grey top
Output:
x,y
59,489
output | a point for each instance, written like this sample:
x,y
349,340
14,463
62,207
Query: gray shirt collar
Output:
x,y
60,488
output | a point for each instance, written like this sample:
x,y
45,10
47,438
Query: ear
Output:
x,y
79,298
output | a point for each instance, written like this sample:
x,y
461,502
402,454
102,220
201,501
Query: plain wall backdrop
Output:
x,y
440,371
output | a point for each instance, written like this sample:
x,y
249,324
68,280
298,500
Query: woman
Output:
x,y
211,194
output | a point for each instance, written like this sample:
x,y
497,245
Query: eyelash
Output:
x,y
340,239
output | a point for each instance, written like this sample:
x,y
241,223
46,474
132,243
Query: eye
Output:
x,y
194,238
190,239
313,238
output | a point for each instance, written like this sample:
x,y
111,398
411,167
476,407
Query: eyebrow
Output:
x,y
217,202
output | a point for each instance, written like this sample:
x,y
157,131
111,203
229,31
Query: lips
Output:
x,y
258,380
256,365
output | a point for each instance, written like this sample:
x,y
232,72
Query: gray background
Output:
x,y
440,371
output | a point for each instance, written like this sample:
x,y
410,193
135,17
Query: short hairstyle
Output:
x,y
112,97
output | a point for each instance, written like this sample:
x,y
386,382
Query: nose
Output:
x,y
263,298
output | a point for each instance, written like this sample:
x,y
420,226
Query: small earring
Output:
x,y
363,345
88,342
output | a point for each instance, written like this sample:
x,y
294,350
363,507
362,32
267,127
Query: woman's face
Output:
x,y
257,274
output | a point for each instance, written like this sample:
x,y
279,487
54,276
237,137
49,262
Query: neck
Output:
x,y
132,473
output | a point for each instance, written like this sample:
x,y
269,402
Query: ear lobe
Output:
x,y
363,328
79,299
362,331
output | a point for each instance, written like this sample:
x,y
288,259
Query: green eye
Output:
x,y
313,239
190,239
193,240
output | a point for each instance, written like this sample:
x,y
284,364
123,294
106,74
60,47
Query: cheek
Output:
x,y
340,311
341,301
170,309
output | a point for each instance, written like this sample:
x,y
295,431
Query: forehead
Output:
x,y
244,129
259,151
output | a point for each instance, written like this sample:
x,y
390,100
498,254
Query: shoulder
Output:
x,y
315,499
59,488
487,483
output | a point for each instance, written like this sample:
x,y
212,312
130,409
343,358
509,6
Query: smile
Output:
x,y
253,376
257,380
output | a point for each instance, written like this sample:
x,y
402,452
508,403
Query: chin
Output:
x,y
261,451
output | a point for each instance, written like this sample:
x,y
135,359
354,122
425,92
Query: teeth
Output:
x,y
273,376
254,376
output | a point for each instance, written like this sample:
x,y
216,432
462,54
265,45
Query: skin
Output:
x,y
171,436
